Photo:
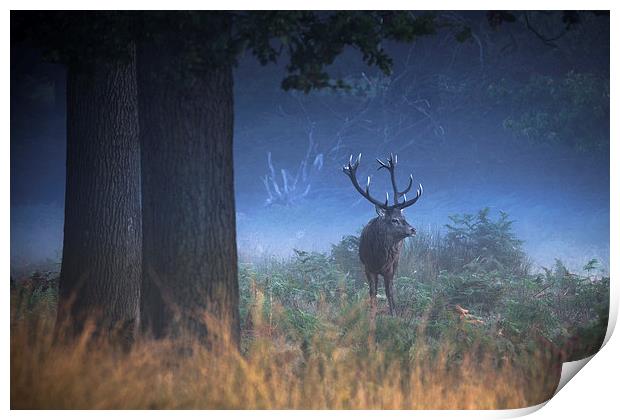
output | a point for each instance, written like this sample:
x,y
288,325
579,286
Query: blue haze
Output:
x,y
557,196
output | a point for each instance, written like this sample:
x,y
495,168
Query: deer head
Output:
x,y
391,215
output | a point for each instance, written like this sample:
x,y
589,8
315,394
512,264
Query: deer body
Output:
x,y
378,250
382,238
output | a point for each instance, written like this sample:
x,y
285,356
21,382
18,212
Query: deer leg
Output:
x,y
373,283
389,291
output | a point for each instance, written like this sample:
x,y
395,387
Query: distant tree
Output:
x,y
101,262
570,110
556,25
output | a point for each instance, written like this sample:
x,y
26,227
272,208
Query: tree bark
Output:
x,y
102,256
189,245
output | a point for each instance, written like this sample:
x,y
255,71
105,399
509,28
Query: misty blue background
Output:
x,y
454,145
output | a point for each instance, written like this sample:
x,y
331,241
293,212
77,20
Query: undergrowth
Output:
x,y
475,328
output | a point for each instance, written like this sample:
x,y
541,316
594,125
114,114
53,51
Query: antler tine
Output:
x,y
352,165
408,203
368,187
390,166
391,162
406,190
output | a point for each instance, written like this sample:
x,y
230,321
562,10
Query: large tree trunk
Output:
x,y
189,249
101,265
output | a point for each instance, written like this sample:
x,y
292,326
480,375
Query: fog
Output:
x,y
436,111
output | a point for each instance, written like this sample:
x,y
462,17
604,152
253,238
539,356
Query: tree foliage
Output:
x,y
310,41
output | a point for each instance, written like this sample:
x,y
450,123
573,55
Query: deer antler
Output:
x,y
351,169
391,166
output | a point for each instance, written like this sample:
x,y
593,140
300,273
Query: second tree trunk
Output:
x,y
190,256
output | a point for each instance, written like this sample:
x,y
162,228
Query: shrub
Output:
x,y
479,243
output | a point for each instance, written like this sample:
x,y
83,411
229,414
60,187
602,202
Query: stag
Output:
x,y
382,238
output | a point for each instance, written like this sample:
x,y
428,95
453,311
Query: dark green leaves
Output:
x,y
311,41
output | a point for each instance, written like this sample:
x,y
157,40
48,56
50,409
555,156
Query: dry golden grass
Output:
x,y
271,373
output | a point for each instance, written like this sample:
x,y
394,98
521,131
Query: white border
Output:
x,y
593,395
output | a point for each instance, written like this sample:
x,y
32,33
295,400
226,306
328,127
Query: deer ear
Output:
x,y
380,211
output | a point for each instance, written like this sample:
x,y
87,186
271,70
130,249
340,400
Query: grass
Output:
x,y
308,342
272,372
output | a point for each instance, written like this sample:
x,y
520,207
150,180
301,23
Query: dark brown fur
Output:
x,y
380,245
